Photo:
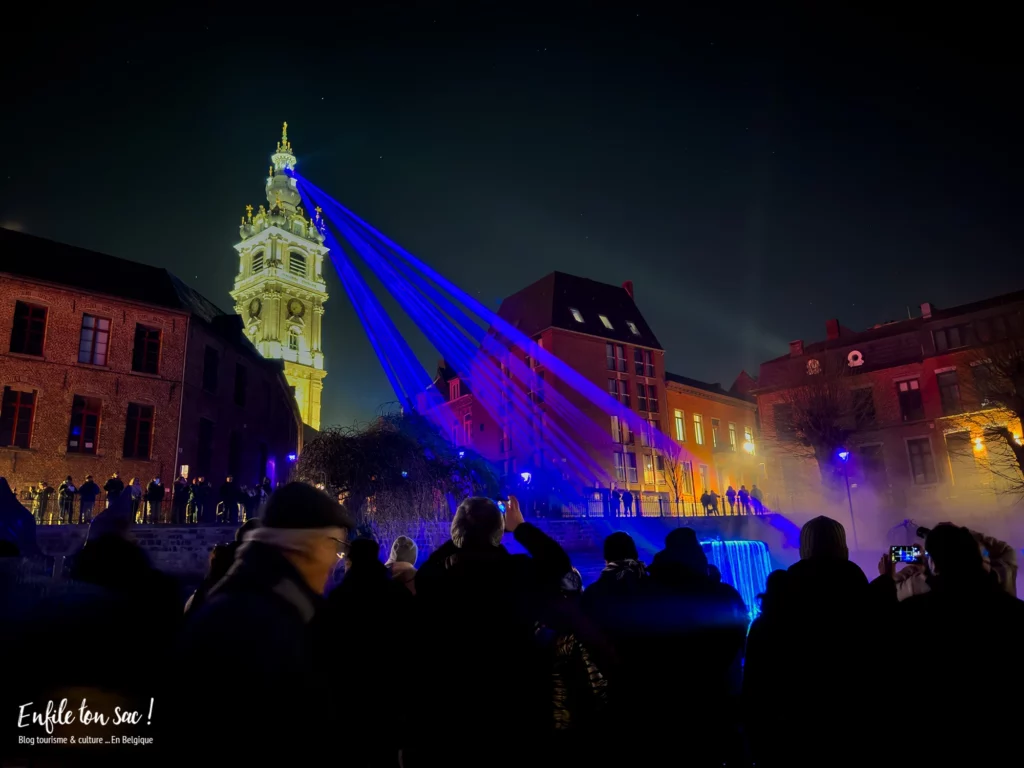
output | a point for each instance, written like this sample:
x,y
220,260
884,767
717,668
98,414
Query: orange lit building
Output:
x,y
718,430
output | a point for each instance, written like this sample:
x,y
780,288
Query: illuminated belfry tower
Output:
x,y
280,290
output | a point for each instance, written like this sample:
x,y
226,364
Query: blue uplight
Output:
x,y
404,473
292,456
462,454
844,455
526,477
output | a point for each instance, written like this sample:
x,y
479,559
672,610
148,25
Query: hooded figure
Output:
x,y
16,523
402,562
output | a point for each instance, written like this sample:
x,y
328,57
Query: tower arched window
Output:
x,y
257,262
297,264
293,340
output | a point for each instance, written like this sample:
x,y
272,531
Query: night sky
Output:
x,y
753,176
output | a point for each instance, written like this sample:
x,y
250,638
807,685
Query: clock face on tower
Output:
x,y
254,308
295,308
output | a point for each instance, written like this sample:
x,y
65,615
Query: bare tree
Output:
x,y
397,474
818,416
675,466
987,406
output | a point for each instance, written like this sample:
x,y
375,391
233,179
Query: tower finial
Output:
x,y
284,133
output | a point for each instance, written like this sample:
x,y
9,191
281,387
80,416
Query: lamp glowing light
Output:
x,y
292,456
462,454
526,477
979,444
404,473
844,456
748,447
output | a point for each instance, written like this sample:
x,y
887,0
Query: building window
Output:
x,y
652,398
698,428
467,428
704,478
29,329
748,435
619,390
686,470
632,328
648,469
293,340
455,433
949,391
16,417
911,407
659,470
234,453
297,264
257,262
641,397
241,383
606,322
84,430
211,363
146,352
138,431
616,357
453,389
954,337
94,340
204,454
863,407
630,467
922,463
714,433
732,436
680,419
621,432
620,467
643,363
576,315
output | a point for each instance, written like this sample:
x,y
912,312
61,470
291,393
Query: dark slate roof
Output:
x,y
549,302
91,272
36,258
686,381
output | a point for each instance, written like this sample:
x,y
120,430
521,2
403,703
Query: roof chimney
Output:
x,y
796,348
832,329
628,288
926,310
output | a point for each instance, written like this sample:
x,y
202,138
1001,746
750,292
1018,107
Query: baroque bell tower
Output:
x,y
280,290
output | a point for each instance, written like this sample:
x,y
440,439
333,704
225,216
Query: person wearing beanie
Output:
x,y
823,537
402,562
265,604
480,606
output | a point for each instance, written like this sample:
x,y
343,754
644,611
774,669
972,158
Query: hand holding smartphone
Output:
x,y
909,553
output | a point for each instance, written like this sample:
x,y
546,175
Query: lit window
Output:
x,y
659,469
680,427
293,341
732,436
648,468
632,328
714,433
576,315
606,322
698,428
92,344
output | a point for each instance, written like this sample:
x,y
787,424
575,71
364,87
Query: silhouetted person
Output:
x,y
757,500
730,496
744,497
401,563
87,494
228,499
616,502
113,488
627,503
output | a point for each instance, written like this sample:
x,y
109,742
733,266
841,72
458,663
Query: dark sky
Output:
x,y
754,176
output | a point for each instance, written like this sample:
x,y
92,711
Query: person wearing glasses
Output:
x,y
263,607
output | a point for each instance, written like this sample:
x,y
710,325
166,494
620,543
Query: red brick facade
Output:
x,y
127,349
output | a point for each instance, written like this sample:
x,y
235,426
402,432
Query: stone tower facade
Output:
x,y
280,290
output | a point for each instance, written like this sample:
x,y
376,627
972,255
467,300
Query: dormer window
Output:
x,y
606,322
632,328
576,315
453,389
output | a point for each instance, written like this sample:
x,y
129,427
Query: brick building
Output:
x,y
913,401
109,365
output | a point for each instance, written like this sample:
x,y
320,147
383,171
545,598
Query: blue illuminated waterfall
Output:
x,y
743,564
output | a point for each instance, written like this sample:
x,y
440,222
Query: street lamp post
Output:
x,y
844,456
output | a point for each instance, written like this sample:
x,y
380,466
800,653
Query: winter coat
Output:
x,y
155,492
89,491
113,487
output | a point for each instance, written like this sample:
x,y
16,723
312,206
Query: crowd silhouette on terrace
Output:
x,y
473,656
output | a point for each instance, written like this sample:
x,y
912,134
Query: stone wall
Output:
x,y
184,550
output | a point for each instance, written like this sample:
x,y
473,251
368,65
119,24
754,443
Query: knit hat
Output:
x,y
620,546
683,548
403,550
301,506
823,537
477,522
364,550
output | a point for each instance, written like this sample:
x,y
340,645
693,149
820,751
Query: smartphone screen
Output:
x,y
501,505
910,553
